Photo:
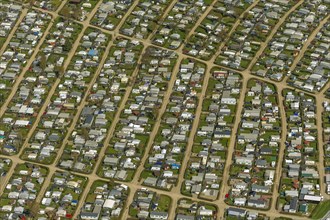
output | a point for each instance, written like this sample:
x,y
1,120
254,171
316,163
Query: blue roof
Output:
x,y
92,52
10,147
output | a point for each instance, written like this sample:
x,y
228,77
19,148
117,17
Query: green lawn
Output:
x,y
133,212
164,203
321,209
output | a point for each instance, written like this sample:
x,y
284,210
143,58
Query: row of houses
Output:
x,y
173,30
165,157
312,72
49,5
300,177
35,87
91,130
144,18
104,200
21,191
17,117
206,39
280,53
62,196
110,12
258,139
189,210
254,28
9,13
327,93
70,91
149,205
326,139
138,117
238,213
5,165
78,9
60,39
208,156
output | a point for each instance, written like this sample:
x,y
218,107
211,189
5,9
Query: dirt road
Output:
x,y
13,30
24,70
154,132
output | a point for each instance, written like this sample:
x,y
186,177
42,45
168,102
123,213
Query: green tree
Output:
x,y
77,13
222,34
67,46
43,61
66,12
59,70
84,133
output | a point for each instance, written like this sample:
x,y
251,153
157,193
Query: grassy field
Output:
x,y
321,209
